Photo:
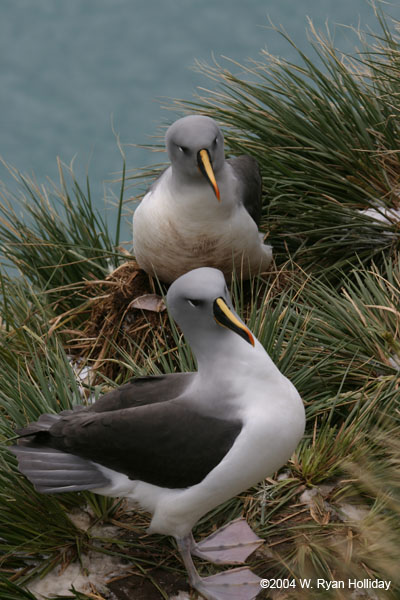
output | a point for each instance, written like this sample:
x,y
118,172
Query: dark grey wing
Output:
x,y
52,470
167,444
248,172
144,390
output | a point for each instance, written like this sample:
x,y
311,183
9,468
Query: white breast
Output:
x,y
176,231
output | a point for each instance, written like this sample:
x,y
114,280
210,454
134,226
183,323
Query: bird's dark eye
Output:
x,y
183,149
215,142
193,302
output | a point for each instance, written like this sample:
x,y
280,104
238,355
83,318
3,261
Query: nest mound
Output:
x,y
114,318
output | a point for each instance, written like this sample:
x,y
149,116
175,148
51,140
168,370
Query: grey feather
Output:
x,y
52,471
248,172
144,390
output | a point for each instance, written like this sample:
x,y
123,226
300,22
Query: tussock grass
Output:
x,y
53,236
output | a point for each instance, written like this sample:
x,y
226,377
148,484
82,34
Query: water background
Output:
x,y
72,70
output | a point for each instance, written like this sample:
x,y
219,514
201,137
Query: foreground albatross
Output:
x,y
183,443
203,210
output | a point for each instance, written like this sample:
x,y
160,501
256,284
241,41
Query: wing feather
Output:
x,y
148,430
247,170
167,444
144,390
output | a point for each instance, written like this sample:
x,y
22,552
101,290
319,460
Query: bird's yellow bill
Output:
x,y
204,162
225,317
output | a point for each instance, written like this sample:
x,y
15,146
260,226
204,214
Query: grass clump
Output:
x,y
53,235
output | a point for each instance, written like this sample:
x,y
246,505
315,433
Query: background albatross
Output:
x,y
181,444
203,210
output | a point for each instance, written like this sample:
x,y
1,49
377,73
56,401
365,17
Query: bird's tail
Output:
x,y
51,470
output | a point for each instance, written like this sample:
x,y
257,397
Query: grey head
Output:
x,y
195,146
200,303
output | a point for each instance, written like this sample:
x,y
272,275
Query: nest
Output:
x,y
122,311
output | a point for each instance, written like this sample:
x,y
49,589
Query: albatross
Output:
x,y
181,444
203,210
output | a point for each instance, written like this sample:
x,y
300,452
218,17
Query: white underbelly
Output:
x,y
172,248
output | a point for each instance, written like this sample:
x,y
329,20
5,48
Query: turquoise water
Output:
x,y
71,70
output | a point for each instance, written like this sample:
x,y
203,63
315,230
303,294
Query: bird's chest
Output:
x,y
194,235
174,233
201,226
263,446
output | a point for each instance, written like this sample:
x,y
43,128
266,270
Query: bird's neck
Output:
x,y
192,192
231,355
